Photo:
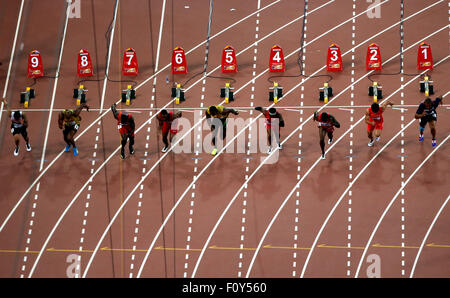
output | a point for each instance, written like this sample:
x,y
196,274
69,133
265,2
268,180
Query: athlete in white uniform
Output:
x,y
19,124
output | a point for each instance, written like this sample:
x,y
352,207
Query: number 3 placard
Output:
x,y
334,58
84,65
178,61
35,68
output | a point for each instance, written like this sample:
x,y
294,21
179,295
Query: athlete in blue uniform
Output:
x,y
427,114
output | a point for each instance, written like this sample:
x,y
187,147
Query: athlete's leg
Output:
x,y
322,133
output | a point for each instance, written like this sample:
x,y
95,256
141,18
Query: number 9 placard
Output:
x,y
178,61
35,67
84,65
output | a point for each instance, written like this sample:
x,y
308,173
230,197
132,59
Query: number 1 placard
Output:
x,y
424,57
178,61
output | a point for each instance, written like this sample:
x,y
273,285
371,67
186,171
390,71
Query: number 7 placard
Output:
x,y
178,61
276,61
130,64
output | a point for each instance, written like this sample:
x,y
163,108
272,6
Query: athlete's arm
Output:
x,y
420,112
25,120
387,103
61,120
114,111
335,122
132,124
367,119
229,110
177,115
80,108
281,120
8,111
261,109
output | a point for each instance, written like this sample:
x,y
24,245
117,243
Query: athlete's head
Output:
x,y
324,116
213,110
428,102
68,113
124,117
16,115
375,107
272,111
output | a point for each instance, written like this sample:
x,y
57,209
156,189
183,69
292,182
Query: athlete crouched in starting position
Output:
x,y
427,114
69,121
272,125
374,120
126,126
218,123
167,125
327,123
19,124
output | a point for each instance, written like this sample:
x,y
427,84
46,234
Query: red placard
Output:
x,y
178,61
130,64
276,61
84,65
334,58
424,56
373,58
35,67
229,63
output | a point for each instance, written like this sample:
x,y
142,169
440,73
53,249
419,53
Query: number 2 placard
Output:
x,y
178,61
373,58
35,67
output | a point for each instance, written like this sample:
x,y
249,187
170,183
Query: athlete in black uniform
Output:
x,y
19,124
427,114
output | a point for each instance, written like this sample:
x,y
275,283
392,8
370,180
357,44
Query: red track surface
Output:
x,y
152,214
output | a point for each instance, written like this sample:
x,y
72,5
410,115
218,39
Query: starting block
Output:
x,y
325,92
128,95
276,93
426,86
375,91
80,95
225,92
26,96
178,94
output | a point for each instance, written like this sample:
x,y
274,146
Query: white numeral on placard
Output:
x,y
34,62
425,53
374,55
84,61
334,56
178,58
277,57
130,57
229,57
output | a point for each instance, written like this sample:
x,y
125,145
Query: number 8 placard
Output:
x,y
35,68
84,65
178,61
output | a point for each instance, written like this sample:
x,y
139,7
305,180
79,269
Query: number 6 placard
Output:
x,y
229,63
130,64
35,68
178,61
84,65
334,58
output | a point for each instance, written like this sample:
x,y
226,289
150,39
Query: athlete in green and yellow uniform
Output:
x,y
218,112
69,121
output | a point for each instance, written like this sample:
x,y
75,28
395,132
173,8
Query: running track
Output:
x,y
189,214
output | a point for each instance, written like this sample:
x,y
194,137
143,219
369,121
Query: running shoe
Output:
x,y
131,150
16,151
330,141
370,144
377,139
420,138
67,148
214,152
280,146
269,150
323,156
75,151
433,143
28,147
164,150
122,154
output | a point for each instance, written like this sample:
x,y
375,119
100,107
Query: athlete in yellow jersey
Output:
x,y
69,121
221,113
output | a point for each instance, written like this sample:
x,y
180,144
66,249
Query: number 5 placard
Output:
x,y
178,61
229,63
35,68
84,65
334,58
130,64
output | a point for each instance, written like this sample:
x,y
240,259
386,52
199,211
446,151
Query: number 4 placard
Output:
x,y
178,61
84,65
35,68
130,64
334,58
276,62
229,60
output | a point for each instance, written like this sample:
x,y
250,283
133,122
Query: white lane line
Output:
x,y
426,236
231,202
392,202
13,50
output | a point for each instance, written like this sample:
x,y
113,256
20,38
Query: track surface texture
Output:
x,y
363,211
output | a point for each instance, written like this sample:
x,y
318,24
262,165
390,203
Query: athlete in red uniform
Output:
x,y
374,120
274,120
327,123
167,125
126,126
